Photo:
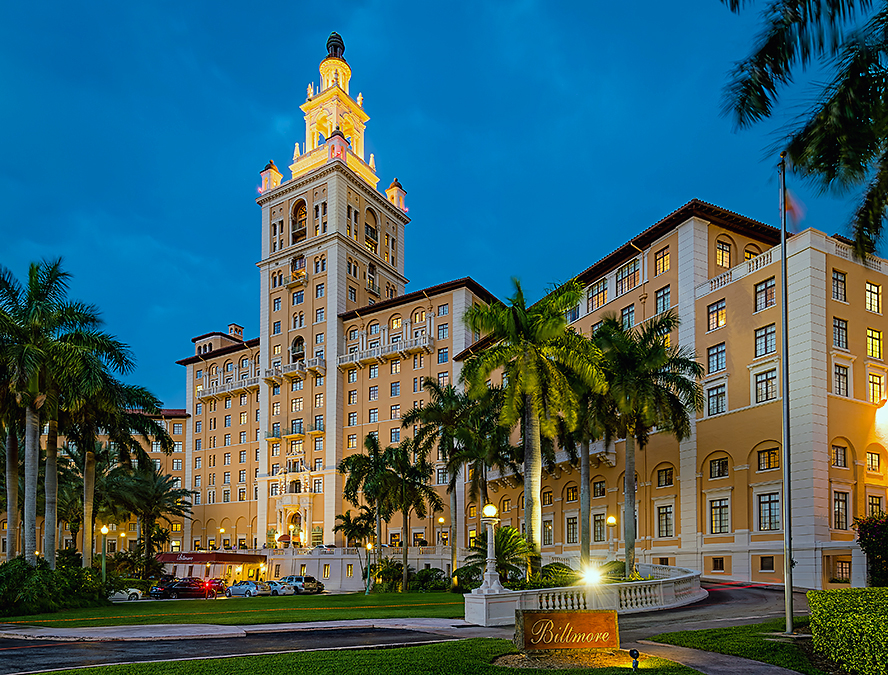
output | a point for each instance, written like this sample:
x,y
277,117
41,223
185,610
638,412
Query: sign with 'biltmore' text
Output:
x,y
582,629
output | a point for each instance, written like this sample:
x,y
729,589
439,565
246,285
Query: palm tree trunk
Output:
x,y
32,460
12,492
149,544
51,491
585,505
404,543
533,481
454,582
378,537
484,494
89,488
629,506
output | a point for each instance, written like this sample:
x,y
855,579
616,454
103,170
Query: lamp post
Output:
x,y
292,527
104,549
491,582
611,544
369,548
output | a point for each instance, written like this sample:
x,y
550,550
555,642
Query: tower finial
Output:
x,y
335,46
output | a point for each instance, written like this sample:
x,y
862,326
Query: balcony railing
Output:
x,y
315,429
739,271
297,278
373,287
228,387
294,370
273,434
317,365
424,343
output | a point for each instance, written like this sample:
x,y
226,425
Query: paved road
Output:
x,y
728,604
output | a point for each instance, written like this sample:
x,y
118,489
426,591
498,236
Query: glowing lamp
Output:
x,y
611,520
369,545
489,511
123,534
592,576
441,520
36,552
104,529
221,530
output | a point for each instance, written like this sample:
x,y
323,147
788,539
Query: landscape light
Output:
x,y
611,520
104,529
592,576
489,511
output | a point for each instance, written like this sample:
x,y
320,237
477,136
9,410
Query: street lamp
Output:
x,y
611,545
369,549
491,582
292,527
104,549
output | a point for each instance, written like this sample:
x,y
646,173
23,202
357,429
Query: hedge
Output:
x,y
850,626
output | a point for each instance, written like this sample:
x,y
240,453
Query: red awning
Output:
x,y
284,537
226,557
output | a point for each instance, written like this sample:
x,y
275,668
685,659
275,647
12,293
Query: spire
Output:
x,y
335,46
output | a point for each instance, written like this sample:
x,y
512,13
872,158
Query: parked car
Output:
x,y
302,584
217,585
126,594
191,587
281,588
248,589
321,587
325,547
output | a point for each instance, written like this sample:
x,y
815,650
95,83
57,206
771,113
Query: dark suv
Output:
x,y
191,587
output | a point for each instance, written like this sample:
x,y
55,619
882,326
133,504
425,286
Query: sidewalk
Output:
x,y
706,662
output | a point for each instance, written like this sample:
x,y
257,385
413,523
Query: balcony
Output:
x,y
403,348
316,429
297,278
273,375
317,365
373,287
295,433
273,435
294,370
227,388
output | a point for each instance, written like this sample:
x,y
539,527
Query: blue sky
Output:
x,y
532,139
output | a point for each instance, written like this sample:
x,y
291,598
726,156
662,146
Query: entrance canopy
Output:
x,y
222,557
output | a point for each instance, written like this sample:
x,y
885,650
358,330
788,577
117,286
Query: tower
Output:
x,y
331,243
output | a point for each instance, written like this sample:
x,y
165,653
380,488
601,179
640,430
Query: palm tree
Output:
x,y
10,423
44,341
651,384
410,473
368,475
440,421
358,529
512,552
840,143
154,496
531,344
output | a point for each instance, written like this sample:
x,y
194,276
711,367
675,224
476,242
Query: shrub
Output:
x,y
432,579
34,590
850,626
872,535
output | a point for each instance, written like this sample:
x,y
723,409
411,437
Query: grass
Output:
x,y
750,642
247,611
465,657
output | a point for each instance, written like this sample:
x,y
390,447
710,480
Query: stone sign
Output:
x,y
577,629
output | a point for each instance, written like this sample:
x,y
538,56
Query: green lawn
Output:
x,y
750,642
244,611
466,657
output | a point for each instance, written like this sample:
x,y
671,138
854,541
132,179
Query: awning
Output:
x,y
204,557
284,537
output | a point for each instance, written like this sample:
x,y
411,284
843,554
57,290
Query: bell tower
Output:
x,y
332,111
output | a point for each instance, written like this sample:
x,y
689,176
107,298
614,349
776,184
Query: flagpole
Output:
x,y
784,316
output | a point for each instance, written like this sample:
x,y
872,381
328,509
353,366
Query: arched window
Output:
x,y
244,362
298,223
723,252
419,316
297,349
229,366
396,323
373,329
751,252
371,233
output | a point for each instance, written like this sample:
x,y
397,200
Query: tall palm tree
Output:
x,y
439,423
651,384
368,475
358,529
10,423
841,142
531,344
44,339
410,473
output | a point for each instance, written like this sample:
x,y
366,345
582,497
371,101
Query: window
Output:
x,y
627,277
242,476
571,530
396,366
718,468
395,435
396,389
769,511
352,419
719,520
319,317
276,305
766,563
548,533
717,315
840,456
353,375
473,510
547,498
298,297
443,310
718,564
598,527
716,358
874,343
664,477
276,328
319,291
226,477
242,457
627,316
765,294
874,505
662,299
768,459
443,379
318,485
876,386
374,393
443,331
319,400
872,461
664,521
838,286
840,510
661,261
226,458
765,386
598,488
722,254
598,294
352,396
840,333
374,414
397,321
873,298
374,372
442,355
572,494
841,380
765,340
177,428
441,475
